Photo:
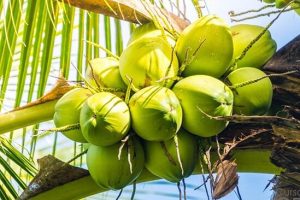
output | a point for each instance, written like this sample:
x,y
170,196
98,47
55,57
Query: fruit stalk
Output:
x,y
26,116
248,160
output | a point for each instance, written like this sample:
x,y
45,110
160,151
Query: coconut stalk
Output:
x,y
58,180
35,112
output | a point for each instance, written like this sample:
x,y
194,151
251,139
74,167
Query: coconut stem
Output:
x,y
233,14
172,78
205,180
288,122
245,51
160,19
179,190
188,59
112,90
133,190
184,189
127,95
66,128
180,13
93,74
129,87
238,193
77,156
90,87
167,23
169,68
26,116
261,78
184,64
197,7
103,49
261,15
178,154
154,16
99,88
119,195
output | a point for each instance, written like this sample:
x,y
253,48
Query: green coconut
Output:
x,y
108,171
104,72
147,62
260,52
269,1
281,3
149,30
104,119
162,157
67,112
254,98
212,37
156,113
202,97
296,7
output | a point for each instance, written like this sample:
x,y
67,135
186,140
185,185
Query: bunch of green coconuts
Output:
x,y
178,87
282,3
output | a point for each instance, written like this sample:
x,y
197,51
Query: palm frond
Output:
x,y
8,41
28,34
37,38
119,38
9,178
80,44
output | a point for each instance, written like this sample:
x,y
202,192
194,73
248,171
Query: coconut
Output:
x,y
148,61
281,3
104,72
156,113
269,1
104,119
254,98
108,171
212,37
260,52
296,7
162,157
67,112
149,30
202,97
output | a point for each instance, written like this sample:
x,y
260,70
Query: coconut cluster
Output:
x,y
180,89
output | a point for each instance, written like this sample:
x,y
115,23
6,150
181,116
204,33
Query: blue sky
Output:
x,y
251,186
